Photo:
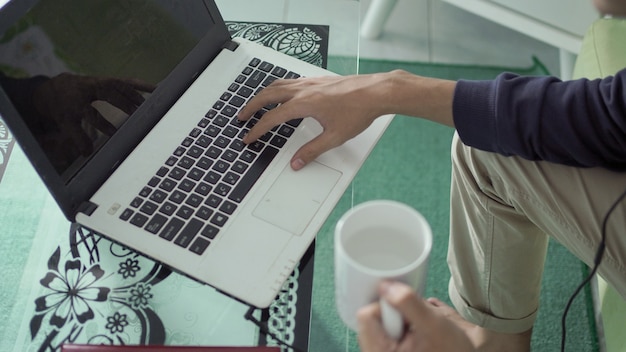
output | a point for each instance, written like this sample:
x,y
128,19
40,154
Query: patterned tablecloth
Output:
x,y
77,286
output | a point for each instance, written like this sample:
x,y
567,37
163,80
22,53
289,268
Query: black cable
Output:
x,y
597,260
265,330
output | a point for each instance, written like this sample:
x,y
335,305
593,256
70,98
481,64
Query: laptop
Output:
x,y
160,168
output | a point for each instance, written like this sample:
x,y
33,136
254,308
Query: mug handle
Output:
x,y
392,320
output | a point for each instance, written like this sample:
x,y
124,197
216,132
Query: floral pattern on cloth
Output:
x,y
97,292
308,43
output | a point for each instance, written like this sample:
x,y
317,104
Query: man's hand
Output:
x,y
427,330
344,107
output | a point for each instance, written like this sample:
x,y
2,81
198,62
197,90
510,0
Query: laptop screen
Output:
x,y
75,70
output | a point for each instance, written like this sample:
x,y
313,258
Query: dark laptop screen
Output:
x,y
75,70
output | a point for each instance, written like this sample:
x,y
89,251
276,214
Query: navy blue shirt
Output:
x,y
579,122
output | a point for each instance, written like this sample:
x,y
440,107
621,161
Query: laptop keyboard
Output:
x,y
192,196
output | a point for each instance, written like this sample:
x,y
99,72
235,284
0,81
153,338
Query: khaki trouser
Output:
x,y
502,211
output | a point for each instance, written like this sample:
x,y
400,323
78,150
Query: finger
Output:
x,y
405,300
268,96
274,117
371,335
313,149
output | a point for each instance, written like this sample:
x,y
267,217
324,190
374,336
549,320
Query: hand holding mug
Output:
x,y
377,241
430,324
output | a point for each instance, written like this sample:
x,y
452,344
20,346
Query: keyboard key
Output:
x,y
195,174
231,178
186,162
278,141
221,120
250,178
212,177
239,167
286,131
204,141
126,214
154,181
171,229
158,196
145,192
256,146
237,101
177,173
228,207
203,189
210,114
220,166
254,62
248,156
209,231
213,201
189,232
148,208
156,224
199,245
177,197
139,220
279,71
168,208
186,185
204,163
194,200
219,219
184,212
266,66
294,123
136,202
255,79
222,189
171,161
245,92
204,213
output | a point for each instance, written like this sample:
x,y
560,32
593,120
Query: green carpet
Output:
x,y
411,164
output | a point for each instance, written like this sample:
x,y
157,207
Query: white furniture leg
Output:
x,y
375,18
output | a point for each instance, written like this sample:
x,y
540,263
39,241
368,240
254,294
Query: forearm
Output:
x,y
425,97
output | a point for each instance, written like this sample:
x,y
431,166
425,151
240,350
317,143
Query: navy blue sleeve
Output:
x,y
579,122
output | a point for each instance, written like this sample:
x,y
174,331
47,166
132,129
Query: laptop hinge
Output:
x,y
87,208
230,45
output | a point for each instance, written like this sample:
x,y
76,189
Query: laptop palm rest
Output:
x,y
296,196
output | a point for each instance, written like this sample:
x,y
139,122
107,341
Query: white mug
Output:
x,y
375,241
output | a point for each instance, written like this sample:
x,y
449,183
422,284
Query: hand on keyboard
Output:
x,y
344,106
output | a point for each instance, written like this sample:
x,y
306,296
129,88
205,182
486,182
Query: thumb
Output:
x,y
404,299
311,150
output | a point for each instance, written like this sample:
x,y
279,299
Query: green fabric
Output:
x,y
411,164
603,53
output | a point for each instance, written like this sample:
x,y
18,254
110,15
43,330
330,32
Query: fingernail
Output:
x,y
297,164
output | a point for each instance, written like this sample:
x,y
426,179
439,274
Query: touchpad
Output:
x,y
296,196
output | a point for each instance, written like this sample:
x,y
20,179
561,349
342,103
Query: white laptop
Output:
x,y
173,180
